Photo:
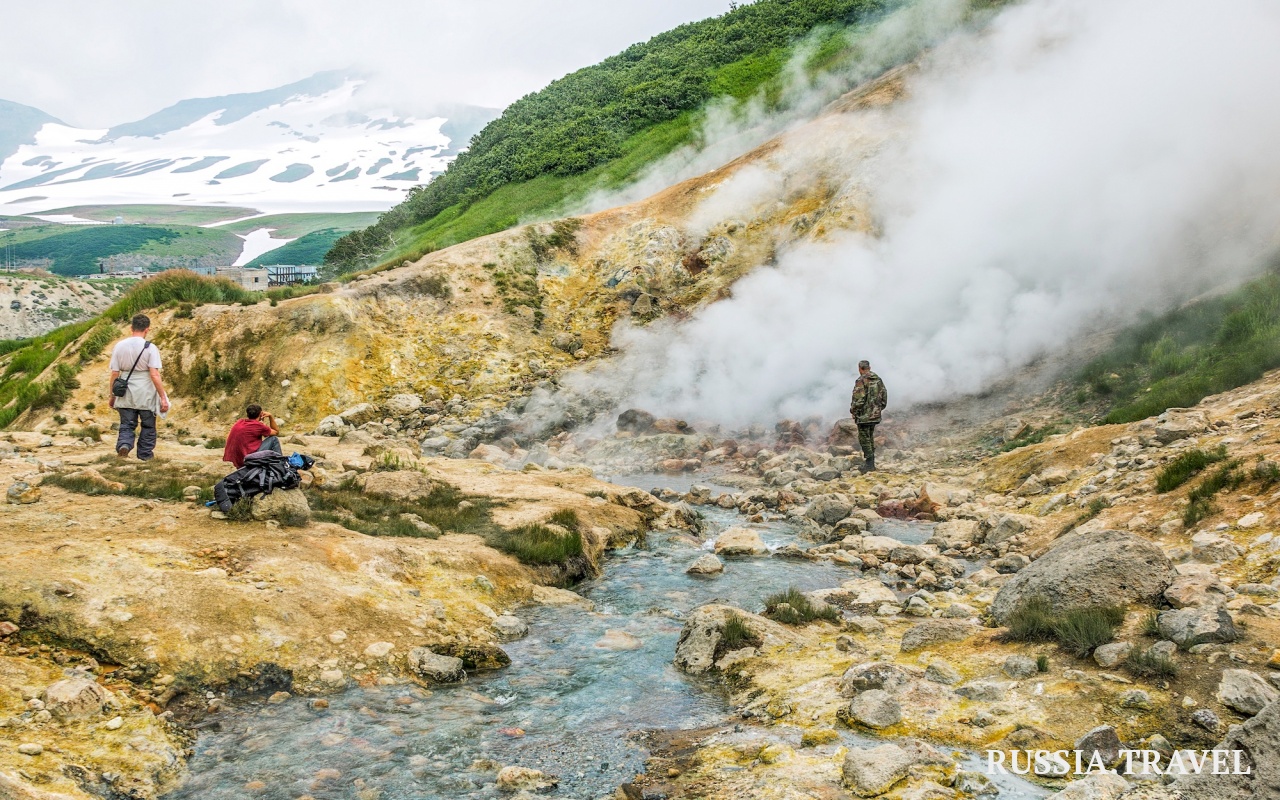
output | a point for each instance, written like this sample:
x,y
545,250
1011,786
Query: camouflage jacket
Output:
x,y
869,398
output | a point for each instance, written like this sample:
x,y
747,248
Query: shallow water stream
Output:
x,y
565,705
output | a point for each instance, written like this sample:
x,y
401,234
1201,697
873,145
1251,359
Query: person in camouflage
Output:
x,y
869,399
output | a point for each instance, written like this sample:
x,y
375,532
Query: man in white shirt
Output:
x,y
139,361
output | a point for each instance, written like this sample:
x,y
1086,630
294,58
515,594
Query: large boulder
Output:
x,y
22,493
434,667
1258,740
740,542
286,505
633,420
1189,627
1100,568
77,698
1245,691
706,564
405,484
1006,526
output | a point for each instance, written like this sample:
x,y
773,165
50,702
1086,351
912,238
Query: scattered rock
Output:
x,y
934,632
379,649
523,779
940,671
617,640
23,493
1109,655
77,698
360,414
405,485
402,405
706,564
1189,627
1102,740
738,541
1179,423
873,771
436,668
1245,691
510,627
1259,739
1019,667
1098,786
331,425
1101,568
30,749
1206,719
1136,698
288,505
986,691
875,709
633,420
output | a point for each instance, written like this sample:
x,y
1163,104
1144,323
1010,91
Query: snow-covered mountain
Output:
x,y
308,146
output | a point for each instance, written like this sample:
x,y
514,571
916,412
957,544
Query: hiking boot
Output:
x,y
122,452
867,466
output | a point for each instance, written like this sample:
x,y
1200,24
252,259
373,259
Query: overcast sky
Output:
x,y
96,64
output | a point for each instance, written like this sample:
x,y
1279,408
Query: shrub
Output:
x,y
1145,664
348,506
1201,504
293,518
793,608
102,335
241,510
1151,624
215,442
735,635
1078,630
1185,466
88,432
1042,663
537,544
153,480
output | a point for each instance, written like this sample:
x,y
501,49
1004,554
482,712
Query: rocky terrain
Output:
x,y
31,305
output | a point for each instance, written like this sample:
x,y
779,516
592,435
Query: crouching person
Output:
x,y
255,433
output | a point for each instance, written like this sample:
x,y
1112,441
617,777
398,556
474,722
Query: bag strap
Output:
x,y
145,345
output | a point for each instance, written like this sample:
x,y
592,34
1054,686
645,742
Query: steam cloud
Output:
x,y
1067,167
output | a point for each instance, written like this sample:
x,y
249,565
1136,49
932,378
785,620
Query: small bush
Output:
x,y
292,518
537,544
1151,624
793,608
1185,466
241,510
735,635
1201,504
1145,664
1083,629
97,340
1042,663
215,442
351,508
90,406
58,419
89,432
1078,630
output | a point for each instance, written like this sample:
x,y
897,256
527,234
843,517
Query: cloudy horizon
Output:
x,y
94,66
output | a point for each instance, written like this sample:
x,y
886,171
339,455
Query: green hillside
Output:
x,y
309,249
290,226
601,125
76,250
1179,358
156,214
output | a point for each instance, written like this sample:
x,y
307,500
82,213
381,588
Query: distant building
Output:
x,y
207,271
117,221
254,279
289,274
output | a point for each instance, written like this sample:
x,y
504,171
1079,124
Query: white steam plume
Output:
x,y
1070,166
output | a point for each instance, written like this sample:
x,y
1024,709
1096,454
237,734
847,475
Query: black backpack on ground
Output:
x,y
262,473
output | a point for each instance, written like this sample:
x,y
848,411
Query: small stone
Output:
x,y
436,668
1102,740
1109,655
8,629
740,541
277,698
23,493
332,676
1206,719
875,709
940,671
337,637
1135,698
1245,691
819,737
872,771
706,564
1019,667
510,627
114,724
523,779
618,640
30,749
379,649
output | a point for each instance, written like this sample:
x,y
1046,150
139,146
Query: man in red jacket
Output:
x,y
256,432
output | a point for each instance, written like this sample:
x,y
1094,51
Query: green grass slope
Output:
x,y
156,214
76,250
601,125
290,226
1177,359
309,249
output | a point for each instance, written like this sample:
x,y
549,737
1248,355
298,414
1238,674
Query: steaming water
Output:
x,y
577,704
